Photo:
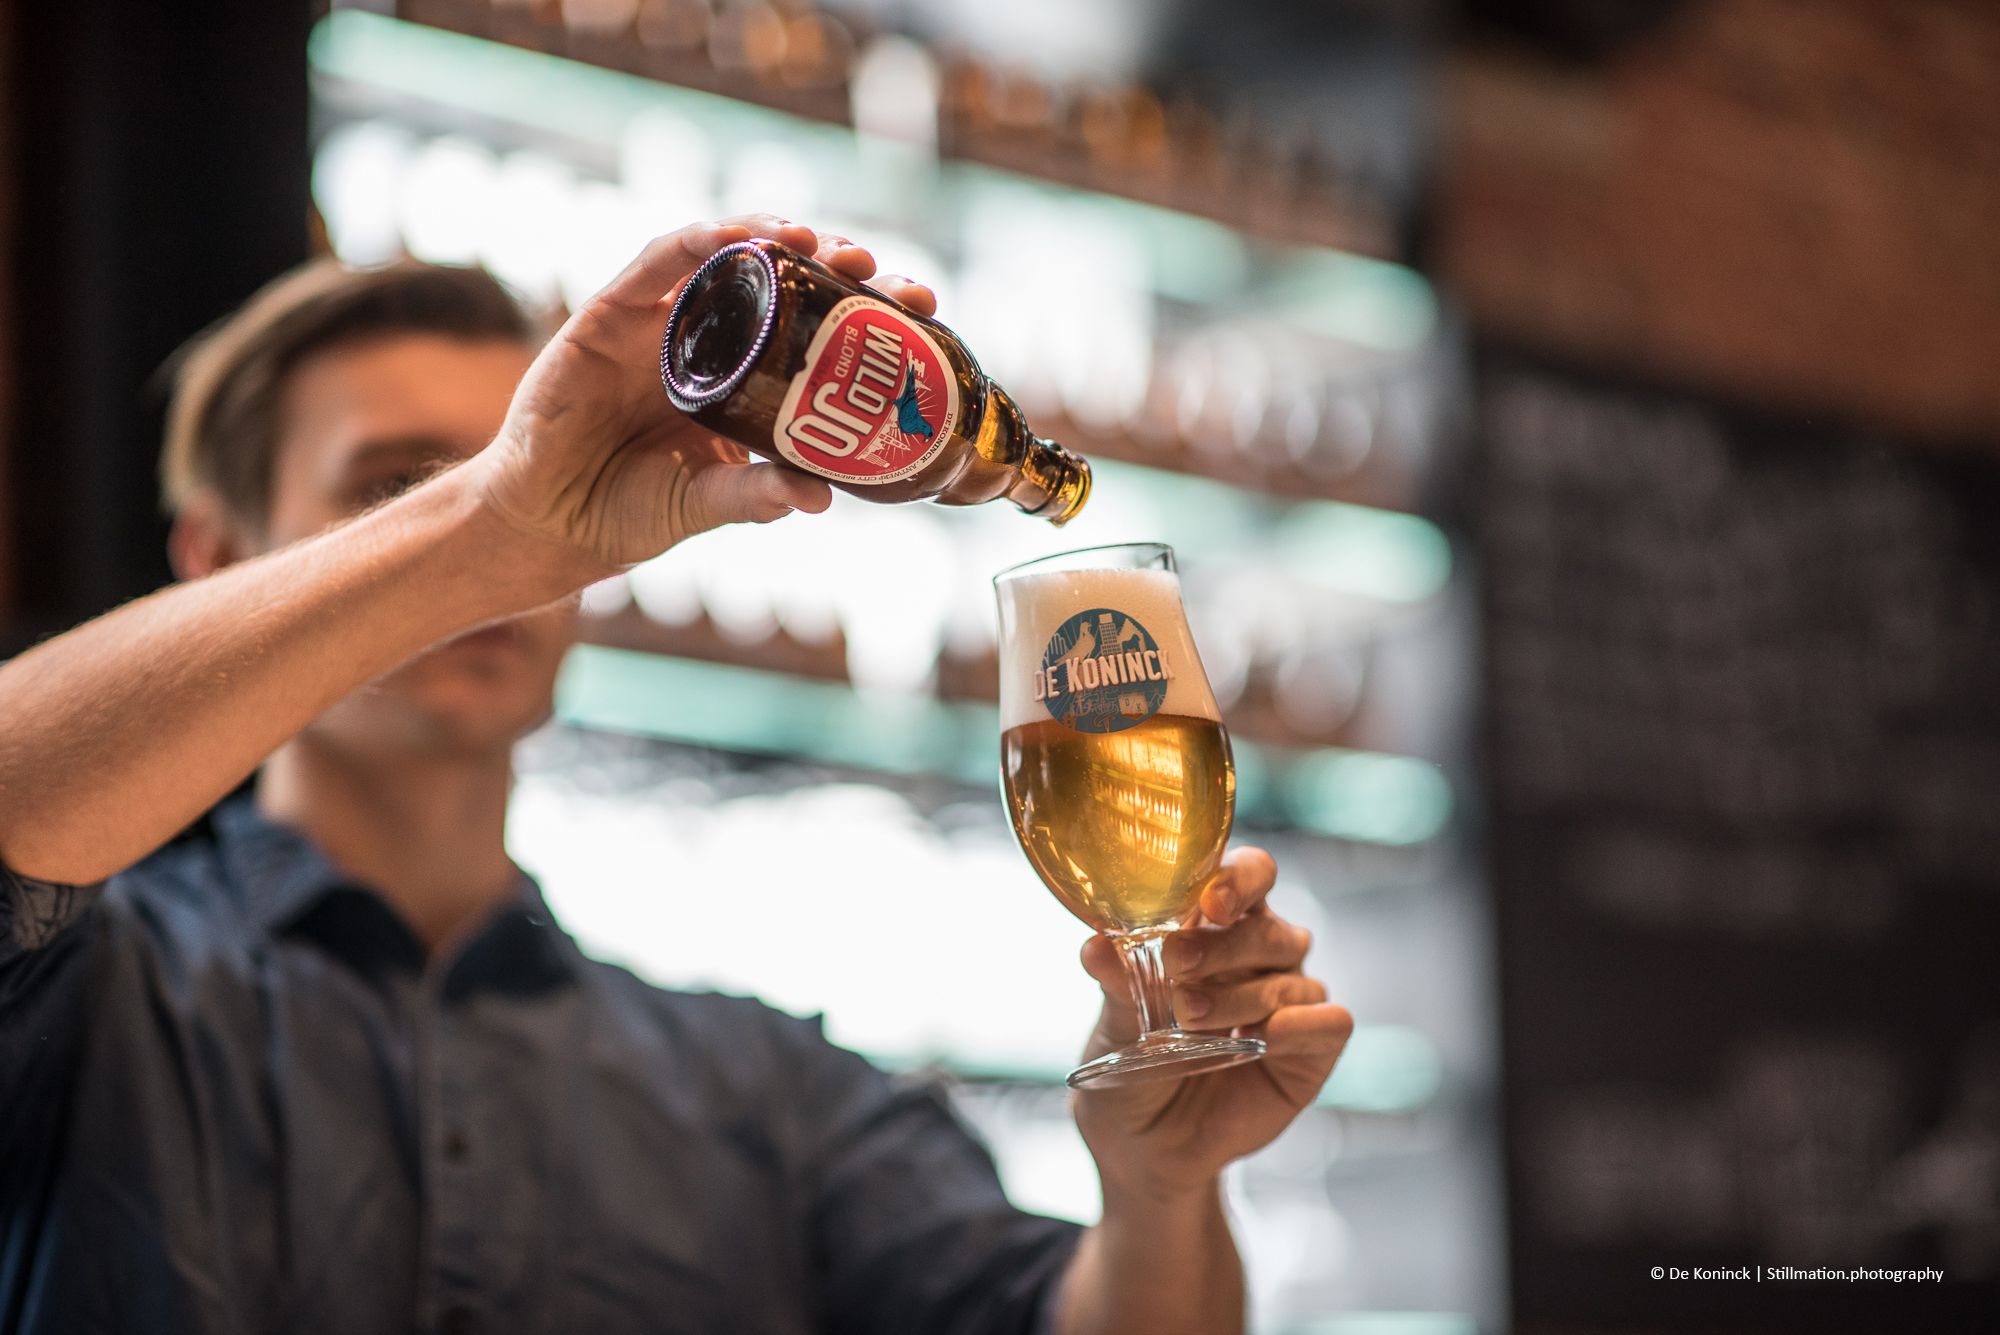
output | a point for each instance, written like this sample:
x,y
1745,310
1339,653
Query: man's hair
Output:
x,y
223,424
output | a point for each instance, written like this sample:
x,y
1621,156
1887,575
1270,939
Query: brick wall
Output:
x,y
1795,201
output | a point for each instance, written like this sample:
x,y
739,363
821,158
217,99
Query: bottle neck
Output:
x,y
1049,482
1053,484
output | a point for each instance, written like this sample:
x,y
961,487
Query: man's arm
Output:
x,y
1155,1265
119,733
1162,1261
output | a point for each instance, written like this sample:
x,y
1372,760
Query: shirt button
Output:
x,y
455,1321
455,1145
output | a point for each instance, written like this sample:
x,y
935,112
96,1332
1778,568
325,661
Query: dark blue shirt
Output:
x,y
238,1099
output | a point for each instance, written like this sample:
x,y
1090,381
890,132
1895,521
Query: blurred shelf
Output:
x,y
1383,479
960,680
1297,371
1309,612
630,629
1245,499
1362,796
1265,214
1290,203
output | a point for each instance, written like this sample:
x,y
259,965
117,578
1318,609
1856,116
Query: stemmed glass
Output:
x,y
1117,773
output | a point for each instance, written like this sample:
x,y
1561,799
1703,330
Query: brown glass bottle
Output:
x,y
794,362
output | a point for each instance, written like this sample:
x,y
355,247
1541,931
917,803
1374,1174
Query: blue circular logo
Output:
x,y
1102,672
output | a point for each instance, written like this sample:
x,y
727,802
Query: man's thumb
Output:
x,y
744,493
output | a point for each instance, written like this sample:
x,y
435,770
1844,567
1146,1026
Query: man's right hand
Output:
x,y
596,465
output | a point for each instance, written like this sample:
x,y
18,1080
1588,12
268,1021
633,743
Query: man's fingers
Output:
x,y
747,494
914,296
1260,943
667,260
1239,886
858,262
1308,1030
1229,1005
1302,1043
843,256
796,235
1102,962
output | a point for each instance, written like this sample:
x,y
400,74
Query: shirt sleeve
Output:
x,y
913,1231
33,914
45,935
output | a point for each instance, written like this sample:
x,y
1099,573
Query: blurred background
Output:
x,y
1578,422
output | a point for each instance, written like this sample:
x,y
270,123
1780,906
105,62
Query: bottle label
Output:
x,y
1102,672
875,402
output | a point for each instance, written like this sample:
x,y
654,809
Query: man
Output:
x,y
327,1066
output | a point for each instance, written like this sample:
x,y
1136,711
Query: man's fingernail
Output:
x,y
1187,954
1226,900
1194,1004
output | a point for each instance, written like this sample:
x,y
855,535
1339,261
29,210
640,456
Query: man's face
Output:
x,y
361,424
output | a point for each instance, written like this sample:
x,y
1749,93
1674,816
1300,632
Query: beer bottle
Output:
x,y
790,360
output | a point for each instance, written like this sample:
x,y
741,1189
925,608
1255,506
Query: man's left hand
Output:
x,y
1236,968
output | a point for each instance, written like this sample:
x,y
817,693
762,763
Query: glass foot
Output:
x,y
1168,1054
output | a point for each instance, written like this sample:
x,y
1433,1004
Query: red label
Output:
x,y
875,402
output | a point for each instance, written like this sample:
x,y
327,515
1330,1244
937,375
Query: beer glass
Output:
x,y
1117,773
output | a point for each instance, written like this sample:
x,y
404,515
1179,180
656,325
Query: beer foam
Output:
x,y
1034,607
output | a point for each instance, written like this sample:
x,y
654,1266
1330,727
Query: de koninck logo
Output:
x,y
1102,672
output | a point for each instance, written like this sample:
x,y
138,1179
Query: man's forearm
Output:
x,y
119,733
1159,1267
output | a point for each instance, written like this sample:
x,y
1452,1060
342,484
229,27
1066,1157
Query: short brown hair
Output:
x,y
223,424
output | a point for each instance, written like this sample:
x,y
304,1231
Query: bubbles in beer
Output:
x,y
1117,773
1126,826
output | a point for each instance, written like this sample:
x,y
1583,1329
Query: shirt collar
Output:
x,y
278,871
282,876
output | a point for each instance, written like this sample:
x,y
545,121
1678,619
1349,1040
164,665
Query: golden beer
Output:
x,y
1124,827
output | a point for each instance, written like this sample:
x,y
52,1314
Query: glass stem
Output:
x,y
1146,968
